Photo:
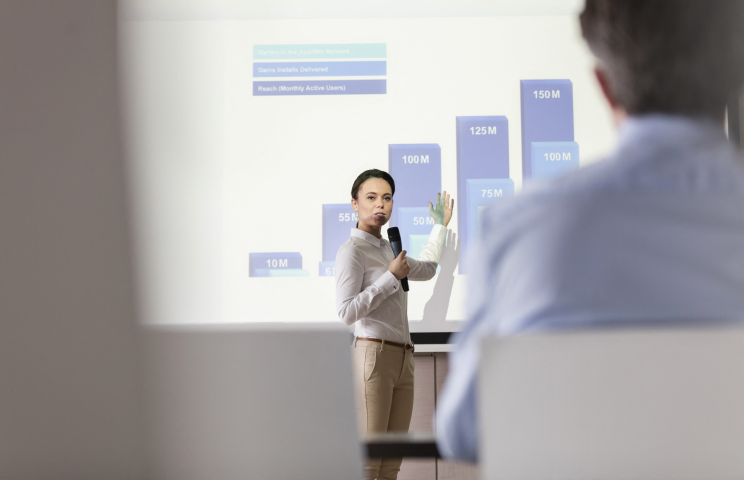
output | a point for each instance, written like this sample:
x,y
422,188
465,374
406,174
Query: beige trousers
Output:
x,y
384,392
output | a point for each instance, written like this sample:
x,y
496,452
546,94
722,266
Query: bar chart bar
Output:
x,y
267,264
414,221
327,269
338,220
482,153
416,244
547,116
482,193
417,171
552,159
281,272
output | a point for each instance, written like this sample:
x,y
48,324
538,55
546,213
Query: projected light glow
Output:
x,y
248,132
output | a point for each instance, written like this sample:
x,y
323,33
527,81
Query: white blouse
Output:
x,y
368,295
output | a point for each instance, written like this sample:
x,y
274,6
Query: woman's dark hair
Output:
x,y
366,175
669,56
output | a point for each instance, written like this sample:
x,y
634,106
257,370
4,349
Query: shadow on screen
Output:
x,y
435,310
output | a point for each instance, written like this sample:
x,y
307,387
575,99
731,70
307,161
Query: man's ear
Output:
x,y
604,83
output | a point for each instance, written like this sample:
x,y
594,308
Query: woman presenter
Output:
x,y
369,296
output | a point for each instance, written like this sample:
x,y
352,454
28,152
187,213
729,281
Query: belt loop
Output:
x,y
382,346
356,339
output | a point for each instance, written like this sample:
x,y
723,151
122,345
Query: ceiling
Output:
x,y
329,9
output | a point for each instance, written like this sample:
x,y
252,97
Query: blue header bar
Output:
x,y
319,69
319,87
338,50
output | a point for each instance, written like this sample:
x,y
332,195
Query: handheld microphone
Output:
x,y
397,246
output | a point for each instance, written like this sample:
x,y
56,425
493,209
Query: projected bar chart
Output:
x,y
319,87
416,244
482,193
276,264
331,63
327,269
318,51
281,272
414,222
338,220
547,116
482,154
320,69
417,171
551,159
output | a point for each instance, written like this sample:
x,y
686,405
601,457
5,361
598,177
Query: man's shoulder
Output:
x,y
605,176
568,194
561,208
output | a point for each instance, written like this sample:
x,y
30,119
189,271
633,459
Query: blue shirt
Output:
x,y
654,233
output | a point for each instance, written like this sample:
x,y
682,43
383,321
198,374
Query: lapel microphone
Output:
x,y
397,246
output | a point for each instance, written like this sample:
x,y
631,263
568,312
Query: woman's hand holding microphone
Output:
x,y
399,266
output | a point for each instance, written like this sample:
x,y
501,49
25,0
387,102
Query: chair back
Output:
x,y
260,402
617,404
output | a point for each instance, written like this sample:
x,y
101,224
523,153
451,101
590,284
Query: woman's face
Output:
x,y
374,202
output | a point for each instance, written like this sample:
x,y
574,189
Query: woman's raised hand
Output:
x,y
442,212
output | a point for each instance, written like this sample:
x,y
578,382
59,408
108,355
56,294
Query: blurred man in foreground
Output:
x,y
654,234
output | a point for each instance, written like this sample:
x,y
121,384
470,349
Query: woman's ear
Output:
x,y
354,204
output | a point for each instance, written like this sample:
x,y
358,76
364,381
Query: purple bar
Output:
x,y
414,221
327,269
319,87
547,116
482,193
272,261
417,171
320,69
552,159
482,153
338,220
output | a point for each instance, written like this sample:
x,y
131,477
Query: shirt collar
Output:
x,y
663,129
368,237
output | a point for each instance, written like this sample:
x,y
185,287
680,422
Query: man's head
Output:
x,y
667,56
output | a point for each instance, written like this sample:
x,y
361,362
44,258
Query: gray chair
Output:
x,y
613,404
259,402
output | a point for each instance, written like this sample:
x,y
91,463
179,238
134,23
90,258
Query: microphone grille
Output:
x,y
393,233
